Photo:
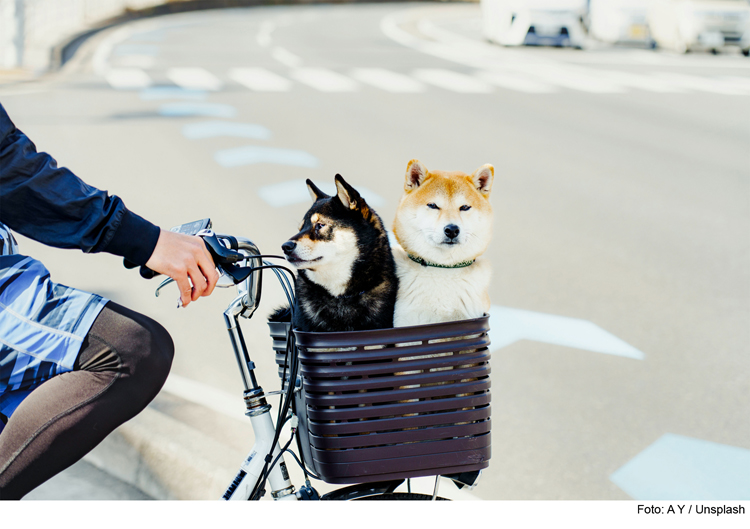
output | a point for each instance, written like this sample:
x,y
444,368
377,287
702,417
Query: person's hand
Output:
x,y
185,259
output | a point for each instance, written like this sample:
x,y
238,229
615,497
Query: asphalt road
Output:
x,y
621,286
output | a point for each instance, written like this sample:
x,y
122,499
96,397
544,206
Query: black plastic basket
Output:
x,y
394,403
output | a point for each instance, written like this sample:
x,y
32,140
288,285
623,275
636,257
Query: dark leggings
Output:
x,y
123,364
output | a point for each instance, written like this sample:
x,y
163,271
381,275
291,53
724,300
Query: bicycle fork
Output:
x,y
251,468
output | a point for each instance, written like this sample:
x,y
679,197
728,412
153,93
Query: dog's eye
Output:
x,y
319,226
465,208
432,205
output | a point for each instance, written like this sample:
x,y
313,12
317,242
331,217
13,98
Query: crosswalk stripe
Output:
x,y
128,78
512,81
194,79
454,81
324,80
260,79
703,84
387,80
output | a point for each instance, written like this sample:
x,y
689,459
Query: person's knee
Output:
x,y
143,347
151,349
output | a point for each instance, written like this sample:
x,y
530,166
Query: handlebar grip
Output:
x,y
146,272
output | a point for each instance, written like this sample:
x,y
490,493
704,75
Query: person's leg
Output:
x,y
123,364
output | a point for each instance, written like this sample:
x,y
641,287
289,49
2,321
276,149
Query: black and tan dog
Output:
x,y
347,279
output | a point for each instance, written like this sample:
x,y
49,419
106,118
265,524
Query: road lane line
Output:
x,y
194,79
295,192
127,78
253,154
387,80
703,84
286,58
216,110
264,34
213,129
260,80
512,81
453,81
324,80
513,325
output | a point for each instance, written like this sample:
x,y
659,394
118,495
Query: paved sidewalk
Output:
x,y
83,481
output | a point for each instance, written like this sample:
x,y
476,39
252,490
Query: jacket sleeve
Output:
x,y
55,207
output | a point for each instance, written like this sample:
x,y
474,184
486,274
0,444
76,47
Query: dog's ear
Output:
x,y
416,172
482,178
315,193
349,197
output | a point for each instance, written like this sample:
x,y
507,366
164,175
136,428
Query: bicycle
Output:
x,y
368,409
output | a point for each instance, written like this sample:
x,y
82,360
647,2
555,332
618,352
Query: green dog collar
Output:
x,y
421,261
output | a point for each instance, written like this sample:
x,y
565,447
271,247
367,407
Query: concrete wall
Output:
x,y
29,29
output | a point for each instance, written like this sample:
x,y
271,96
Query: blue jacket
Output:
x,y
53,206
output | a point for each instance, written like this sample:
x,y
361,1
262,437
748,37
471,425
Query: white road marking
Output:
x,y
511,325
127,78
194,79
454,81
213,129
324,80
260,79
513,81
252,154
703,84
387,80
286,58
295,192
264,34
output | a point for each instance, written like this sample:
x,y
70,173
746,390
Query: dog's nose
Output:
x,y
288,247
451,231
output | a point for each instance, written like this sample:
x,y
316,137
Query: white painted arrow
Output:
x,y
511,325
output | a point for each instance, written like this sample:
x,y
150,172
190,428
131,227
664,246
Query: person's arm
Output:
x,y
55,207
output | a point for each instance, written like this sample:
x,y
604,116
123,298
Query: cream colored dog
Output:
x,y
443,225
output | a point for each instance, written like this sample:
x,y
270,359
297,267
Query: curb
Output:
x,y
166,459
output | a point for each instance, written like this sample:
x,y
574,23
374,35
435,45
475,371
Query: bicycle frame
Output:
x,y
259,411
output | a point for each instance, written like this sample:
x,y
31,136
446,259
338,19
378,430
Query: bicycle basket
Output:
x,y
394,403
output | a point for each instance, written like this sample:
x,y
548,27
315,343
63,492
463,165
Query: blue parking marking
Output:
x,y
511,325
252,154
213,129
215,110
676,467
171,92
